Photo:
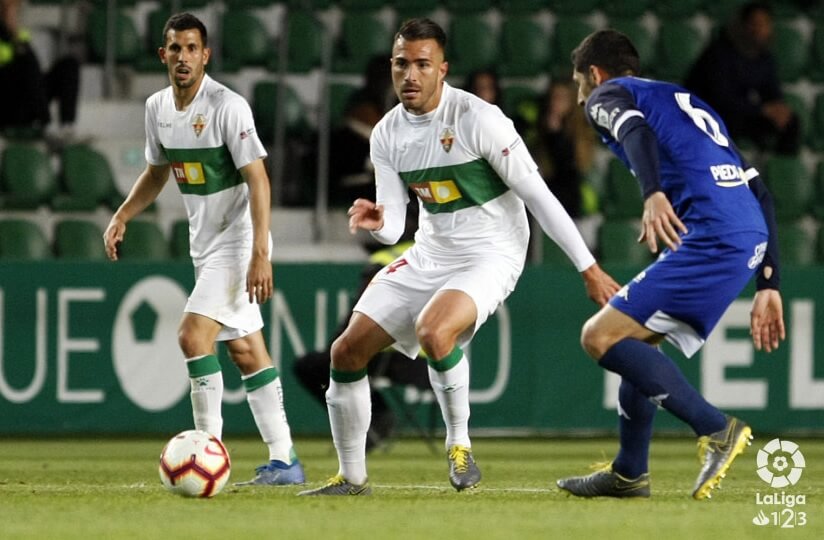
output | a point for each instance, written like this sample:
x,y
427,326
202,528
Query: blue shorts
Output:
x,y
684,293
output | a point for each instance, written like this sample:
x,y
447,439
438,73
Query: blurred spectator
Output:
x,y
350,170
485,84
737,76
562,145
26,91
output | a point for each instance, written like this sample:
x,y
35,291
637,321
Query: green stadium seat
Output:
x,y
246,42
362,36
625,8
525,46
313,5
523,7
565,8
567,34
641,37
27,180
127,40
520,102
817,205
679,44
618,243
820,245
722,10
472,45
264,108
88,181
78,239
805,115
408,9
305,35
622,197
796,244
361,5
148,60
816,133
816,64
339,94
460,8
672,9
790,186
791,50
23,240
180,240
144,241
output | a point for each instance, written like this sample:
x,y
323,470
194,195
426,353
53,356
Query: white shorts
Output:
x,y
399,291
220,294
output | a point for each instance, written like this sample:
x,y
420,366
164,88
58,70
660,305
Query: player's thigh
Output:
x,y
362,339
608,327
448,314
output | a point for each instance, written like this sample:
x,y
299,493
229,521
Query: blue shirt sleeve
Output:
x,y
612,110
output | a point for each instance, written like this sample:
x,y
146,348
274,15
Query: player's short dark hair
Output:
x,y
610,50
422,28
185,21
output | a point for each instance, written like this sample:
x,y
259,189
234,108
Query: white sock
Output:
x,y
451,388
350,413
207,395
266,403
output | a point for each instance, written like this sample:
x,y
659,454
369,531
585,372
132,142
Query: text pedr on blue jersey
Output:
x,y
702,173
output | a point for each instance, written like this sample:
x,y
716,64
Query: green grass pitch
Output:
x,y
89,489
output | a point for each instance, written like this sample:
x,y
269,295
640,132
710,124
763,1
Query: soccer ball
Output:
x,y
194,464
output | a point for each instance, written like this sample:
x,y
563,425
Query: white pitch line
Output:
x,y
480,488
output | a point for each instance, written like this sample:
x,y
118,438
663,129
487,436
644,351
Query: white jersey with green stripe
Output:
x,y
460,160
206,145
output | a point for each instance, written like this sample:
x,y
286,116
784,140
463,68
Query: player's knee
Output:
x,y
189,343
345,356
593,340
434,341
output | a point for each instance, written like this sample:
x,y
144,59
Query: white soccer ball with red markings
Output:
x,y
194,464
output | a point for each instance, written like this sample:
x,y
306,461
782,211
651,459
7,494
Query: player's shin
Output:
x,y
656,376
349,404
450,382
264,394
206,381
636,414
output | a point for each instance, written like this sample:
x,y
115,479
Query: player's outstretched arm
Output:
x,y
143,193
767,320
659,222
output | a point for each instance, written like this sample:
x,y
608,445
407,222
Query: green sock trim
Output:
x,y
447,362
259,379
208,365
347,376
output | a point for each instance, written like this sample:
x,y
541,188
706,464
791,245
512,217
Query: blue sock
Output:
x,y
636,414
656,376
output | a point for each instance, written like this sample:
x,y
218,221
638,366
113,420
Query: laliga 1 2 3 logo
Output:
x,y
780,463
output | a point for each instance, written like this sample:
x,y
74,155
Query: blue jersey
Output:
x,y
701,172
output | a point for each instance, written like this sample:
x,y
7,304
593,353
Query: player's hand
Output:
x,y
259,280
767,320
364,214
600,285
113,236
660,222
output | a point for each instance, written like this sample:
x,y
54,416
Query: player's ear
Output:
x,y
598,75
161,52
207,54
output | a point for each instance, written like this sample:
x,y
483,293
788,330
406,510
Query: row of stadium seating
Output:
x,y
801,243
79,239
522,46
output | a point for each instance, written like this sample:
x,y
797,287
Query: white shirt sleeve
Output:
x,y
390,192
554,219
239,132
153,152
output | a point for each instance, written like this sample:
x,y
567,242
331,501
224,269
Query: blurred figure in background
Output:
x,y
738,77
351,174
485,84
563,145
26,91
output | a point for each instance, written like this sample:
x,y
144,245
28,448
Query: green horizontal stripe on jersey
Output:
x,y
476,180
218,168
